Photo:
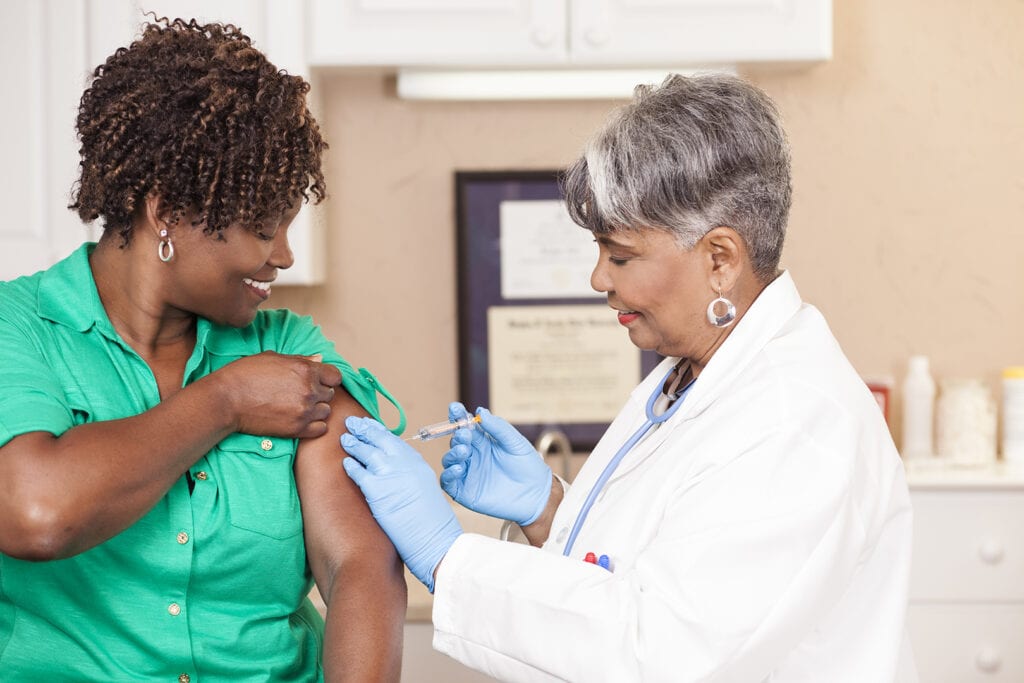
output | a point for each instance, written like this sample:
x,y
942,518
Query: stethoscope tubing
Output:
x,y
632,441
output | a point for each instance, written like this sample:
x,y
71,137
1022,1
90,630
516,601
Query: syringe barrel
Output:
x,y
442,429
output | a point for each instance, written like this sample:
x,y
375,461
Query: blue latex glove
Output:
x,y
494,470
402,492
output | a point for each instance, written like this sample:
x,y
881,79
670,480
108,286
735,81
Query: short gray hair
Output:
x,y
687,156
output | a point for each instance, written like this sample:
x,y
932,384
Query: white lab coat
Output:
x,y
761,534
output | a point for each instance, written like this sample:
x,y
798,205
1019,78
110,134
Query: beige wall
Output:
x,y
906,228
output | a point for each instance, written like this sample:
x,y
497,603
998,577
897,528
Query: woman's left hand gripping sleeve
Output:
x,y
299,335
403,493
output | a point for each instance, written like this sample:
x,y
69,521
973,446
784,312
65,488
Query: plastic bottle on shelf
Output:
x,y
1013,415
965,422
918,410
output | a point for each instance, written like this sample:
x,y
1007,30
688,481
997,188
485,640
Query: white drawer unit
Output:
x,y
959,643
966,614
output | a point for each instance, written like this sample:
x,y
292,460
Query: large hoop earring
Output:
x,y
165,250
726,318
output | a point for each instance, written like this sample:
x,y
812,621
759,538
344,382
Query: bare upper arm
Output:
x,y
23,503
339,526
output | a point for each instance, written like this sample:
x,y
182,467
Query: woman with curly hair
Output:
x,y
168,452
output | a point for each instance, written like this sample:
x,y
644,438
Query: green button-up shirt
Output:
x,y
210,584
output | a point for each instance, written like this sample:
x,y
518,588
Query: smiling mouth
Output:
x,y
626,317
262,287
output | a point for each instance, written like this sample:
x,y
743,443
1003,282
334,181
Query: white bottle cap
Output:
x,y
918,363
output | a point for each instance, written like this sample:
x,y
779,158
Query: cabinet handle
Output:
x,y
596,37
542,37
988,660
991,552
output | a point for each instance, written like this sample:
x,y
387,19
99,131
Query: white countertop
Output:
x,y
938,473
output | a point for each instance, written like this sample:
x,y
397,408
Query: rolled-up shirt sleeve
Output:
x,y
31,396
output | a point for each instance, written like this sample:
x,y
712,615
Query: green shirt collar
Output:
x,y
72,275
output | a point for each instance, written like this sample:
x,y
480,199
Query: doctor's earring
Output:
x,y
165,250
721,311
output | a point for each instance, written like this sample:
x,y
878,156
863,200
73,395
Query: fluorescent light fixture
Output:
x,y
539,84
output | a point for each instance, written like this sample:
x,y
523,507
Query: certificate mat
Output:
x,y
571,363
544,255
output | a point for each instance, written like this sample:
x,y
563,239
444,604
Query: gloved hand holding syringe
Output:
x,y
440,429
490,468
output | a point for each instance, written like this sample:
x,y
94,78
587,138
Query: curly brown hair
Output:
x,y
197,116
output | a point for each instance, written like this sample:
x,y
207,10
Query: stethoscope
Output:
x,y
609,469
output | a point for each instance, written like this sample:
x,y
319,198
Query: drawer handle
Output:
x,y
542,37
988,660
596,37
991,552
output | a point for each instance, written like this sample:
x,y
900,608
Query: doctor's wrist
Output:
x,y
433,576
538,530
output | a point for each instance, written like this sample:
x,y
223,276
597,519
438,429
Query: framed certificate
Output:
x,y
537,345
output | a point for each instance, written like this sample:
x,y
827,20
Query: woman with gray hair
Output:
x,y
745,517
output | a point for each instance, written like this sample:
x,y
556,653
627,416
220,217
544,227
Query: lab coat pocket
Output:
x,y
258,485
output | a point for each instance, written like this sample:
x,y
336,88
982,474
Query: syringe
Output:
x,y
439,429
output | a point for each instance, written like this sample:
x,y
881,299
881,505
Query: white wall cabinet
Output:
x,y
56,44
966,614
564,33
52,46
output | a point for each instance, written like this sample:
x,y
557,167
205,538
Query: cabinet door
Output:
x,y
467,33
43,47
52,46
653,32
275,26
115,23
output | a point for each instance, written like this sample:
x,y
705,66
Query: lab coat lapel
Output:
x,y
775,306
